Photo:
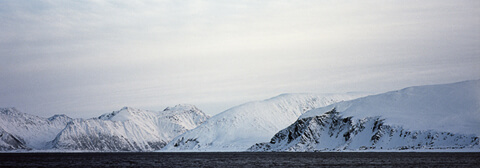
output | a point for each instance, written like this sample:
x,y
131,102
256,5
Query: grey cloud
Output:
x,y
84,58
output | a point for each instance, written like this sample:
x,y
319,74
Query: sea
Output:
x,y
242,159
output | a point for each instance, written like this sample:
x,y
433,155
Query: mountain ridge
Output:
x,y
128,129
453,107
241,126
439,117
333,132
426,117
34,132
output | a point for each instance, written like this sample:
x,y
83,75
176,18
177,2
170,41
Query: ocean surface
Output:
x,y
241,159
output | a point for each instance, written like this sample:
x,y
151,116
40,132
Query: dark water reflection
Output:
x,y
240,159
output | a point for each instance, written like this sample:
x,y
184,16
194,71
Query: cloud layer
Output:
x,y
89,57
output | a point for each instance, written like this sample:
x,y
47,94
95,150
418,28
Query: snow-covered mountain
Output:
x,y
10,142
240,127
24,131
443,116
333,132
129,129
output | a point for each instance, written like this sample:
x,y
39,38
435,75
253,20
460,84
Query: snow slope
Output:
x,y
240,127
333,132
129,129
423,117
451,107
28,131
10,142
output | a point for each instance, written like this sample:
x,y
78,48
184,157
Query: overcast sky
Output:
x,y
88,57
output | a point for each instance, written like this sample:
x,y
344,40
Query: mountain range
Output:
x,y
423,117
128,129
431,118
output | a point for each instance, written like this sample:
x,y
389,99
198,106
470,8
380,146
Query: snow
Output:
x,y
129,129
35,131
128,113
332,132
238,128
447,107
444,117
189,115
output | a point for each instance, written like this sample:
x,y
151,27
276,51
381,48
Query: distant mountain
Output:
x,y
129,129
437,117
24,131
424,117
240,127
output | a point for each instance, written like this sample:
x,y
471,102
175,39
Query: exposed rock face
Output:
x,y
240,127
10,142
332,132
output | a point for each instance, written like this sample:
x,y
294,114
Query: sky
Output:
x,y
88,57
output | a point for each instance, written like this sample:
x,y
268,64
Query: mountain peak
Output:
x,y
59,116
132,130
123,114
454,107
127,108
240,127
7,110
181,107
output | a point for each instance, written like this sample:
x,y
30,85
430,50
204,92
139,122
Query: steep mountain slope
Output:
x,y
10,142
240,127
392,120
451,107
333,132
24,131
129,129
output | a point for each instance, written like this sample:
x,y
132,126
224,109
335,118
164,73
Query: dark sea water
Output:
x,y
240,159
